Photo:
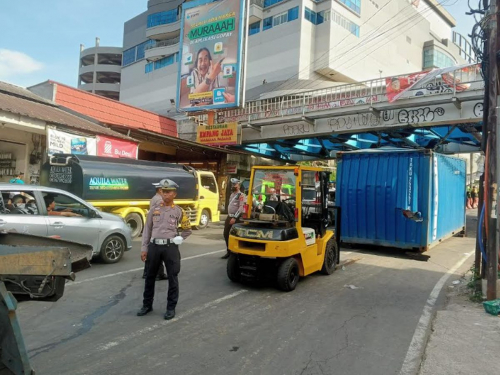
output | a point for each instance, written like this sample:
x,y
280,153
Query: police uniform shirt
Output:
x,y
162,223
236,203
156,201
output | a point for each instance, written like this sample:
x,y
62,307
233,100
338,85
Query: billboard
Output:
x,y
116,148
59,142
211,55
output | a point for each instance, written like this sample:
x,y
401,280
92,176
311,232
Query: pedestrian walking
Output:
x,y
156,201
160,242
475,198
235,210
468,202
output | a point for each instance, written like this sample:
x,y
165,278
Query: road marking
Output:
x,y
138,269
128,338
411,363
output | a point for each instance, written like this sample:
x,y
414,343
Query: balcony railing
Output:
x,y
163,43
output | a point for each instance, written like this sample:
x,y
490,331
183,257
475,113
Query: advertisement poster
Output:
x,y
211,55
59,142
218,135
397,86
116,148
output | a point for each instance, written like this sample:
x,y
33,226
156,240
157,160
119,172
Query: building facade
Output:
x,y
297,45
99,71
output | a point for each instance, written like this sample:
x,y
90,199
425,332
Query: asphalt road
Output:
x,y
359,320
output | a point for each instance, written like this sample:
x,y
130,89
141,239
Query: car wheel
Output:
x,y
134,221
331,257
204,220
233,268
112,249
288,274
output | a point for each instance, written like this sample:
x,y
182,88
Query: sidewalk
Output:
x,y
464,339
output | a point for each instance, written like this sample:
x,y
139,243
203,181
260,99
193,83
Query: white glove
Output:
x,y
177,240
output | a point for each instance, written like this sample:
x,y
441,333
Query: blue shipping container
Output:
x,y
376,188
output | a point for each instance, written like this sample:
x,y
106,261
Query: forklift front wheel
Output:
x,y
233,268
331,257
288,274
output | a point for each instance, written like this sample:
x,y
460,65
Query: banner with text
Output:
x,y
218,135
59,142
116,148
211,62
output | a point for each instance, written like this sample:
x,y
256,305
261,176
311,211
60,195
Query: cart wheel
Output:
x,y
331,257
233,268
288,274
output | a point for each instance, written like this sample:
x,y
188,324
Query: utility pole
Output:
x,y
493,145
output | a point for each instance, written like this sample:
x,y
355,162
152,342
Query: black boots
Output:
x,y
170,314
144,310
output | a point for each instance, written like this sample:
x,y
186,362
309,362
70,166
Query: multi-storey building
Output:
x,y
296,45
100,70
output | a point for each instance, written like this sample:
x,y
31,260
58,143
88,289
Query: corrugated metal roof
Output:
x,y
112,112
25,103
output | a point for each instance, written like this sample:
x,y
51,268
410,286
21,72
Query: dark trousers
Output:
x,y
161,269
227,229
171,256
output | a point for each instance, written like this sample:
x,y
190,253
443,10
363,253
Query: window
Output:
x,y
268,3
208,182
280,19
169,60
320,17
310,15
129,56
64,204
345,23
267,23
436,59
293,14
18,203
140,50
162,18
254,28
149,67
354,5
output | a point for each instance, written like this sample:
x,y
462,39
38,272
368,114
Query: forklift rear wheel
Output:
x,y
233,269
331,257
288,274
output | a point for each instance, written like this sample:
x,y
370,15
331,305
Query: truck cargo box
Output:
x,y
400,198
96,178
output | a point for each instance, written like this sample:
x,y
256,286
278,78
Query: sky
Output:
x,y
41,39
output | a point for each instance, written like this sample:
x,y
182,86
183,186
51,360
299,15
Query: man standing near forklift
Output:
x,y
234,211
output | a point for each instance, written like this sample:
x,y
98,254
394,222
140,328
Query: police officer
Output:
x,y
234,211
156,201
160,242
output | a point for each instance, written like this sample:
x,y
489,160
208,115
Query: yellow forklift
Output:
x,y
285,236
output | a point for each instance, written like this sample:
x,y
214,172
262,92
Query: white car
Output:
x,y
23,208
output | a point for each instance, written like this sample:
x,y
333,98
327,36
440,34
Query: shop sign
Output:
x,y
59,142
218,135
116,148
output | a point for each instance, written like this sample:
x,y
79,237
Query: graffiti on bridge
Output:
x,y
356,121
297,129
478,110
419,115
